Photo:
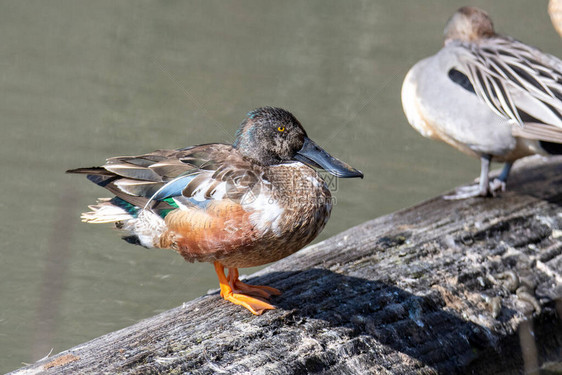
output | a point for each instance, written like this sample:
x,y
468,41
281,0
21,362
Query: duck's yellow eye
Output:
x,y
281,128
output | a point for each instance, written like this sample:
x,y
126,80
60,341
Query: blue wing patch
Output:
x,y
173,188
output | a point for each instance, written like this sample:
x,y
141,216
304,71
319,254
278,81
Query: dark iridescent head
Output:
x,y
270,136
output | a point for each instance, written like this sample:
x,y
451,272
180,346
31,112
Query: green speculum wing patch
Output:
x,y
166,211
130,208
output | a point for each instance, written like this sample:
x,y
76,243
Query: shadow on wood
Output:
x,y
442,287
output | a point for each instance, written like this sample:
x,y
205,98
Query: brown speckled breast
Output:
x,y
287,209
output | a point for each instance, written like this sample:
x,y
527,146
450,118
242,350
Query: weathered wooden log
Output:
x,y
444,287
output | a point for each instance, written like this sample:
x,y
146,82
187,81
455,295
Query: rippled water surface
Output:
x,y
81,81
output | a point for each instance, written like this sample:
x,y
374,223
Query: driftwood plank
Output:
x,y
444,287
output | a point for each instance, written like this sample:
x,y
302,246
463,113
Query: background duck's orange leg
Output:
x,y
256,305
252,290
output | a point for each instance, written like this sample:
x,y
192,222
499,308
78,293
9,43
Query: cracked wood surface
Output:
x,y
442,287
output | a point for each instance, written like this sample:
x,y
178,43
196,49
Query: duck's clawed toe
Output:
x,y
260,291
256,305
497,185
255,290
465,192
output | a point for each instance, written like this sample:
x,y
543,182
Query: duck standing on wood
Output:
x,y
241,205
487,95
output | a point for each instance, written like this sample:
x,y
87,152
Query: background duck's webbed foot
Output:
x,y
485,188
465,192
479,190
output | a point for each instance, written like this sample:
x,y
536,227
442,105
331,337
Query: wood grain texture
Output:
x,y
440,288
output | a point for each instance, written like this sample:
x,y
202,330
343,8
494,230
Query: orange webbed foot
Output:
x,y
255,305
251,297
251,290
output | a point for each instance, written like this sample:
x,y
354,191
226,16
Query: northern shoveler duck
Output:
x,y
487,95
241,205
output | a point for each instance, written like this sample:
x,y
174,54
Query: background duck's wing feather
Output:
x,y
538,131
514,79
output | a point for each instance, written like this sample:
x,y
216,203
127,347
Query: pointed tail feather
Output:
x,y
105,212
92,170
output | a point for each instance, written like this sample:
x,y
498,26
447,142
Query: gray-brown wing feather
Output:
x,y
515,80
211,171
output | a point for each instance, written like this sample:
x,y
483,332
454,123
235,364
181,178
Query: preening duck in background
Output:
x,y
487,95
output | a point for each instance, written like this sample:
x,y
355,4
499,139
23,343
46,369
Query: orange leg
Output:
x,y
231,286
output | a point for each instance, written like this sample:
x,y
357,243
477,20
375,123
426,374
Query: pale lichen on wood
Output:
x,y
442,287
